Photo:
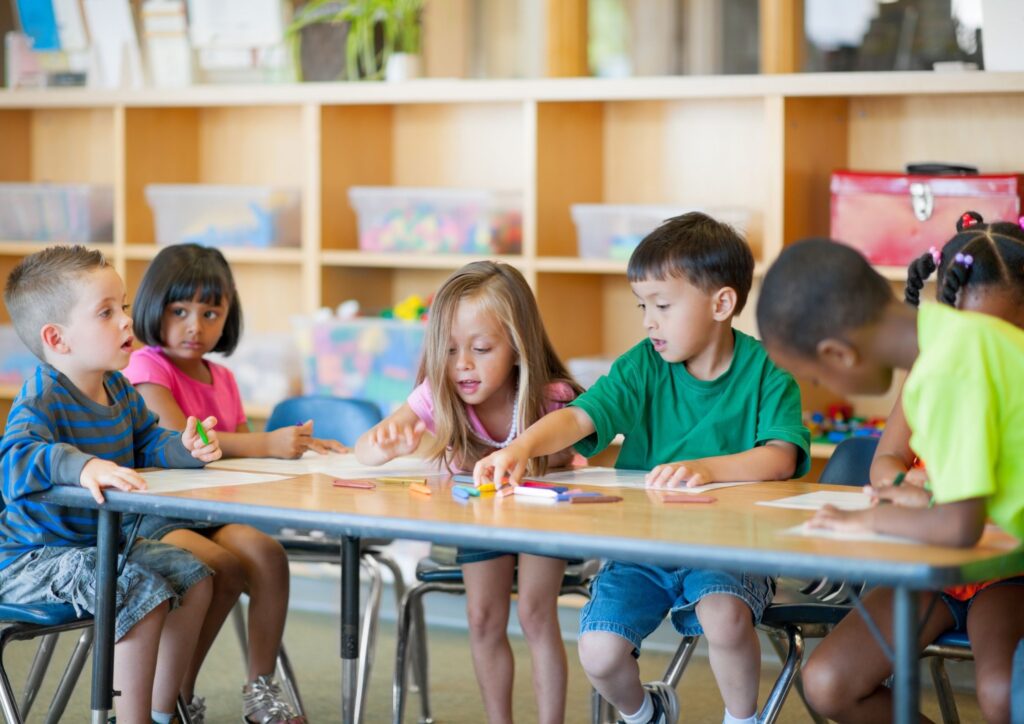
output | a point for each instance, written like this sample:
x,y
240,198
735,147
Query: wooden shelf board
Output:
x,y
145,252
435,91
576,265
408,261
24,248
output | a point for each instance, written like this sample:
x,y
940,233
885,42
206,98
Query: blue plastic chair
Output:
x,y
342,419
21,622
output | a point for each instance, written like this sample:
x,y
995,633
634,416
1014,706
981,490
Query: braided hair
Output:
x,y
979,253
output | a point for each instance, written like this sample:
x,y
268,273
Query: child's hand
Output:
x,y
917,477
99,473
292,441
693,473
205,451
908,496
846,521
395,440
508,464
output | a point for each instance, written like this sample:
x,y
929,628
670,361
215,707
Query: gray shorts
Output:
x,y
155,572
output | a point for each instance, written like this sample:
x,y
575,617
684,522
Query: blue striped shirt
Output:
x,y
52,432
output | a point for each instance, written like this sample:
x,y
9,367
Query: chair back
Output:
x,y
334,418
850,463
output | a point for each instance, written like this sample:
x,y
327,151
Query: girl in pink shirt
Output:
x,y
186,307
488,372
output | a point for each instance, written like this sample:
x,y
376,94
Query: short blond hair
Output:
x,y
41,289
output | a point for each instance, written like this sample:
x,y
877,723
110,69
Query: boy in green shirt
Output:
x,y
697,402
827,315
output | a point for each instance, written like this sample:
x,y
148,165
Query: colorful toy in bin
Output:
x,y
839,423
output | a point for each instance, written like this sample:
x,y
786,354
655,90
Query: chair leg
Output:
x,y
40,662
798,681
368,634
8,702
69,679
601,710
680,659
790,670
286,675
238,619
421,661
410,616
399,588
943,691
182,706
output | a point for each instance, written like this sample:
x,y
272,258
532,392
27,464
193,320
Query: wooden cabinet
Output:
x,y
763,143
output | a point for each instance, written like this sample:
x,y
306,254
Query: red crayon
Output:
x,y
684,498
360,484
577,499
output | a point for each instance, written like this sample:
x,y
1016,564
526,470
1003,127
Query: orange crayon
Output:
x,y
420,488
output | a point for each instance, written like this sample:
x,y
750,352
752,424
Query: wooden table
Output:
x,y
732,534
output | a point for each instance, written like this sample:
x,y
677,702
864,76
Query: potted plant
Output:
x,y
374,31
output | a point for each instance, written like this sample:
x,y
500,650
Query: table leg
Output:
x,y
103,620
349,627
906,707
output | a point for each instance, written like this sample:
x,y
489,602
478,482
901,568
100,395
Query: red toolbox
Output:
x,y
892,218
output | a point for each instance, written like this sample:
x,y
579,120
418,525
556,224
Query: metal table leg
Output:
x,y
349,628
906,707
103,621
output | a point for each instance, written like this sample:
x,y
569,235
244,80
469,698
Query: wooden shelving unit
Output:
x,y
763,143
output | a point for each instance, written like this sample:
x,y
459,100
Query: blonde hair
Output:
x,y
502,291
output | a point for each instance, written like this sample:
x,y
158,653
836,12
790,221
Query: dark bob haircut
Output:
x,y
709,254
181,273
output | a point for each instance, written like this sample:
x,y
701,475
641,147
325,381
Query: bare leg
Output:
x,y
843,677
178,643
608,661
540,580
135,665
228,583
734,651
488,598
994,625
265,566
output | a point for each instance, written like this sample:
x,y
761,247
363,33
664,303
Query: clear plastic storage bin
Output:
x,y
75,213
211,215
370,358
613,231
464,221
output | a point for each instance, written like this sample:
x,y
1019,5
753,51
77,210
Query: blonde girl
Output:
x,y
488,372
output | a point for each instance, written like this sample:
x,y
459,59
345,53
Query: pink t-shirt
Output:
x,y
558,395
220,398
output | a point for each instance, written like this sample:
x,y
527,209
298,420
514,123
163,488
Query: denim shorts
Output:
x,y
959,609
476,555
155,527
155,572
631,600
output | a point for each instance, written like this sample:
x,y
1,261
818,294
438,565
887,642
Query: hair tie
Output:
x,y
937,255
1020,222
964,259
967,220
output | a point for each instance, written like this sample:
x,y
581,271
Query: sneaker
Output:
x,y
666,706
196,710
264,703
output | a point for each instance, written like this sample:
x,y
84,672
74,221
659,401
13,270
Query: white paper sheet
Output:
x,y
338,465
818,500
614,478
173,481
864,537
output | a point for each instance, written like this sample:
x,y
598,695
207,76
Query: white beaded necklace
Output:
x,y
511,430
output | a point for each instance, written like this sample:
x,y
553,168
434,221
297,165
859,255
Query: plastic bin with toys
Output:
x,y
438,220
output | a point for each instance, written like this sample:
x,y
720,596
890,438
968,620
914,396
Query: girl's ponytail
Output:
x,y
917,274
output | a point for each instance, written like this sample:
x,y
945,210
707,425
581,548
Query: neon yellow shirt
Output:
x,y
964,401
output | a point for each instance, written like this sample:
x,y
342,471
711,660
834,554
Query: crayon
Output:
x,y
461,492
470,490
360,484
545,486
462,478
506,491
684,498
578,494
536,492
487,488
594,499
421,488
402,480
202,433
898,480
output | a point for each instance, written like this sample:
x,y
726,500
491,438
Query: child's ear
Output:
x,y
53,338
837,354
723,304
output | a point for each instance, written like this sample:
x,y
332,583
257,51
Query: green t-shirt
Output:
x,y
667,415
964,401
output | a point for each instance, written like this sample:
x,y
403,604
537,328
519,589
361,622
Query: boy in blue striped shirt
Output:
x,y
77,421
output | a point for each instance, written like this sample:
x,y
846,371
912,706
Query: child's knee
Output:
x,y
823,686
228,580
536,615
994,697
602,654
488,620
726,620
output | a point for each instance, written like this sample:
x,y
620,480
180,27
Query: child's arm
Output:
x,y
285,442
551,434
958,524
398,434
157,446
893,455
775,460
